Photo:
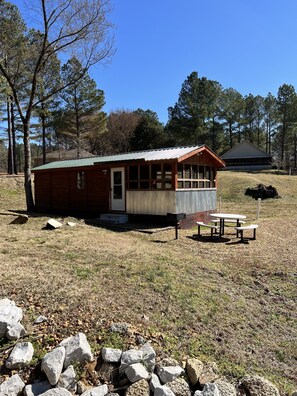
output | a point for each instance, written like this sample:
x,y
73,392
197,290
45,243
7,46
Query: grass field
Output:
x,y
224,301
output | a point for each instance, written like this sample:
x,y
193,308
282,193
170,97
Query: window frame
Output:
x,y
206,182
160,177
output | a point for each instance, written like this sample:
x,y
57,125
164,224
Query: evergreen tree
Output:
x,y
149,132
83,119
287,110
270,120
196,105
231,111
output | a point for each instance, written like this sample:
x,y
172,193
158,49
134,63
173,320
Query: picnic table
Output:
x,y
227,216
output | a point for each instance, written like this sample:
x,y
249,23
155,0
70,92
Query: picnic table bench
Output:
x,y
241,229
212,227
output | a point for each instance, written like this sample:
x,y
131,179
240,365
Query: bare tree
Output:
x,y
70,27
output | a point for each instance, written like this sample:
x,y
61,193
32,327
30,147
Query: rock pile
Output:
x,y
133,372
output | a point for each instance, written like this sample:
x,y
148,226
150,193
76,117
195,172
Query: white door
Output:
x,y
118,189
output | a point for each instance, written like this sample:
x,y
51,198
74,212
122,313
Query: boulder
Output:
x,y
57,392
100,390
169,373
194,369
179,387
67,379
77,350
210,373
154,382
37,388
10,315
21,355
225,388
53,224
208,390
13,386
163,390
140,388
136,372
15,332
52,364
111,355
130,357
258,386
149,356
120,328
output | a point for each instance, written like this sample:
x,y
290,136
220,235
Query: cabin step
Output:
x,y
114,218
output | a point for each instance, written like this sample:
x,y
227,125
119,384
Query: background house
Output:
x,y
148,183
246,156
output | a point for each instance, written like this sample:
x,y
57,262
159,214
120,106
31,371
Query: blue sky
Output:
x,y
249,45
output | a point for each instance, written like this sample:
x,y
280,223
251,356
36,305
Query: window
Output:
x,y
80,180
195,176
150,177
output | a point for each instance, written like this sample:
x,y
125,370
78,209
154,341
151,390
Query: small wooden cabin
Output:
x,y
246,156
146,183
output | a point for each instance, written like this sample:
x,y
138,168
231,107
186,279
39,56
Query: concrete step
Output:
x,y
114,218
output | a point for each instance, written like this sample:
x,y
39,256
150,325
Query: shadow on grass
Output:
x,y
209,239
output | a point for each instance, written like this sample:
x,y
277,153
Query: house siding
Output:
x,y
151,202
196,201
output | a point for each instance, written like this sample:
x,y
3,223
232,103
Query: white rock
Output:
x,y
169,373
13,386
154,382
225,388
57,392
163,391
136,372
40,319
67,379
38,388
131,356
111,355
71,223
21,355
15,332
10,315
77,349
208,390
52,224
52,364
100,390
149,356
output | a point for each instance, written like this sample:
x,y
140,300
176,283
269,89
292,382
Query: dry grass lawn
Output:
x,y
225,301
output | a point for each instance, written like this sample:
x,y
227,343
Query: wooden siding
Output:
x,y
150,202
57,192
43,191
196,201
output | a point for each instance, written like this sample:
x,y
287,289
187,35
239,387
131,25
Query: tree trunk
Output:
x,y
10,164
15,168
43,134
27,168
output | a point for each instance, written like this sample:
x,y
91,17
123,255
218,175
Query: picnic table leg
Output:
x,y
237,225
222,225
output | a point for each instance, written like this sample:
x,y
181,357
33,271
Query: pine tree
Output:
x,y
83,120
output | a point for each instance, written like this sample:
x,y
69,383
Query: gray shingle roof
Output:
x,y
148,155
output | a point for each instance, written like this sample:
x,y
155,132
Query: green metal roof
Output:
x,y
148,155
